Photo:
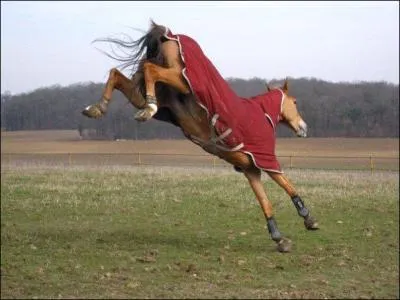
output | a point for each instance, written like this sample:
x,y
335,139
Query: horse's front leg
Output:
x,y
170,75
253,175
309,222
126,86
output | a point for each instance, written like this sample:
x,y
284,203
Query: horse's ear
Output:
x,y
152,23
267,86
285,85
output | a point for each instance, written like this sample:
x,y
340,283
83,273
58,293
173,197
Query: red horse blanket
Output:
x,y
241,124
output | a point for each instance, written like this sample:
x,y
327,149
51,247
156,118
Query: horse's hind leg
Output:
x,y
309,222
119,81
170,75
253,175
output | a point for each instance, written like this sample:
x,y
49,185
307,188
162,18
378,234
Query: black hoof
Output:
x,y
310,223
284,245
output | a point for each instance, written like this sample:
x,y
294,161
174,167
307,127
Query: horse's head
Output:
x,y
289,113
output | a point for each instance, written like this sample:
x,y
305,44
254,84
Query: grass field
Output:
x,y
80,219
188,233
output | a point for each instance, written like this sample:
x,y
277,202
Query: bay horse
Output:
x,y
173,81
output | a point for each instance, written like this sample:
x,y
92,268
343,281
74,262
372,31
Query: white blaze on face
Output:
x,y
302,131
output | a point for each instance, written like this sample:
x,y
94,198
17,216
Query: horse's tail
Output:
x,y
148,47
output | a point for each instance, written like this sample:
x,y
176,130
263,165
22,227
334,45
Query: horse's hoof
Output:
x,y
284,245
311,223
93,111
144,114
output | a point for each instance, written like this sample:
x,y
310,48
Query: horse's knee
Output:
x,y
117,78
113,72
114,76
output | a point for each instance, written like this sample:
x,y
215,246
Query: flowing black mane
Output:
x,y
146,48
135,52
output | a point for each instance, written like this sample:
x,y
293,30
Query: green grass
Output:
x,y
176,233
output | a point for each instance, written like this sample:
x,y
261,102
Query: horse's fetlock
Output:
x,y
301,209
276,236
273,229
151,99
103,105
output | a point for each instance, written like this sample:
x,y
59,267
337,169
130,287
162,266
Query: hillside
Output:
x,y
360,109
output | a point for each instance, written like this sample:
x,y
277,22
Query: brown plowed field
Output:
x,y
67,147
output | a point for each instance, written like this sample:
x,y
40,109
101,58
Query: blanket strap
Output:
x,y
212,144
214,137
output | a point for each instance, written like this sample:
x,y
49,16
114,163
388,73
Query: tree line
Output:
x,y
358,109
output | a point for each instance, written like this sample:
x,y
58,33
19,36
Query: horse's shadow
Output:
x,y
133,239
187,240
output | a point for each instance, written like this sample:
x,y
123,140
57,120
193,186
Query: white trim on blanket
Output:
x,y
270,120
255,163
283,96
184,68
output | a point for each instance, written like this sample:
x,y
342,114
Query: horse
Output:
x,y
173,81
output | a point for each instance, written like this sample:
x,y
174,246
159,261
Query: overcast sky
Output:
x,y
47,43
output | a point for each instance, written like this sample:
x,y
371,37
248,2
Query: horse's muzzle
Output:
x,y
302,131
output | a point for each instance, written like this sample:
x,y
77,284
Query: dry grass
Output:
x,y
68,141
55,148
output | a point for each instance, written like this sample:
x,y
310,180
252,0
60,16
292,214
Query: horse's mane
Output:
x,y
135,52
